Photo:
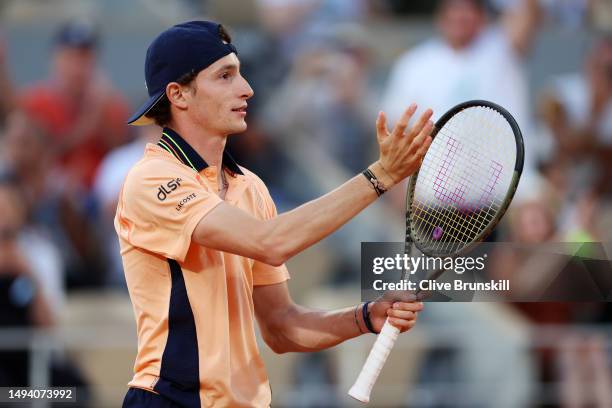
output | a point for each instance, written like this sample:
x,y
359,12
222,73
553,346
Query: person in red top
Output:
x,y
79,109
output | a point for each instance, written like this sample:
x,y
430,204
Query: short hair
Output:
x,y
160,112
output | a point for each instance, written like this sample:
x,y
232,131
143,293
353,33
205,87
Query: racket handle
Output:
x,y
376,360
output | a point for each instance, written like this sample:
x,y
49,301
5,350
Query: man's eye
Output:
x,y
225,75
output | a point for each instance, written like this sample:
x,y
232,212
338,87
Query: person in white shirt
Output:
x,y
470,58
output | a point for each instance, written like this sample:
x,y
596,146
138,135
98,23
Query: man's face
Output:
x,y
218,99
460,22
74,67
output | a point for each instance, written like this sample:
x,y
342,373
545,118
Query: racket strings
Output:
x,y
432,214
464,231
450,215
463,180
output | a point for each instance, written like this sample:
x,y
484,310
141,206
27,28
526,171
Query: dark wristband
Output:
x,y
366,318
379,187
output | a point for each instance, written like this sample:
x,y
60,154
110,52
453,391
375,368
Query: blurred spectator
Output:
x,y
577,110
295,23
24,160
30,286
108,183
77,106
22,300
26,157
470,59
328,97
84,117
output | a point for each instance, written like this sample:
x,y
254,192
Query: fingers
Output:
x,y
423,121
404,315
401,314
381,126
407,306
402,124
423,149
421,142
402,324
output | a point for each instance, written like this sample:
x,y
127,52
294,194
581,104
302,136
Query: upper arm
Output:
x,y
230,229
272,305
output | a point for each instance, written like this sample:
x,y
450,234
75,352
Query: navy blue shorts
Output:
x,y
139,398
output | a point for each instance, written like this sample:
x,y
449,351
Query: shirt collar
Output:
x,y
179,148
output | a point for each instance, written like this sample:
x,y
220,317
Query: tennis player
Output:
x,y
203,248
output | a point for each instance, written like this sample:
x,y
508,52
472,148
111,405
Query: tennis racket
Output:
x,y
462,189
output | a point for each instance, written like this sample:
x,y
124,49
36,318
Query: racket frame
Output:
x,y
518,170
362,387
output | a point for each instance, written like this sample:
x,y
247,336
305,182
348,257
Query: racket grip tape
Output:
x,y
376,360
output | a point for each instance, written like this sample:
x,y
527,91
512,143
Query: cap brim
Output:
x,y
139,117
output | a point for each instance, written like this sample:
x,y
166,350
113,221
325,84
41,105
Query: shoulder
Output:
x,y
254,180
260,195
252,177
152,172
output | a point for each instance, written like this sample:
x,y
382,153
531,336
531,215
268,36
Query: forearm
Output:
x,y
286,326
292,232
277,239
522,23
304,330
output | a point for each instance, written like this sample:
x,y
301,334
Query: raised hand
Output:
x,y
401,150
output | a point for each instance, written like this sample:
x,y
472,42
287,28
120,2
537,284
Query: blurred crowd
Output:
x,y
319,81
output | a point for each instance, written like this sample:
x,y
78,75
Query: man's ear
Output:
x,y
176,95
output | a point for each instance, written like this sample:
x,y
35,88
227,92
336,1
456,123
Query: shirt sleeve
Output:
x,y
160,206
264,274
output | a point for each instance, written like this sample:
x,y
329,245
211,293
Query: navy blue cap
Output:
x,y
78,34
181,49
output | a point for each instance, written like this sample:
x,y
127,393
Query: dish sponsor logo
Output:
x,y
164,190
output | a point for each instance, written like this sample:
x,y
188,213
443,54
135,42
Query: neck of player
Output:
x,y
210,146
